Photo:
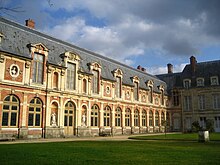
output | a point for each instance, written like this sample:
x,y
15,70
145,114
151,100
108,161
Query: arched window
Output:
x,y
55,80
70,109
84,86
136,118
150,118
95,115
156,118
107,116
35,113
10,111
127,117
144,116
118,117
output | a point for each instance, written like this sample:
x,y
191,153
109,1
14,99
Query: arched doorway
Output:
x,y
69,119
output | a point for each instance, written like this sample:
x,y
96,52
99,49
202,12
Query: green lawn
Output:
x,y
177,137
112,152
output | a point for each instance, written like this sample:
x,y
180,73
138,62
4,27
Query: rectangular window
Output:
x,y
118,87
201,101
37,120
136,91
216,101
71,76
187,103
188,123
202,122
175,98
95,82
37,68
150,96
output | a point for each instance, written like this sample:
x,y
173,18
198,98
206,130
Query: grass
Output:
x,y
177,137
112,152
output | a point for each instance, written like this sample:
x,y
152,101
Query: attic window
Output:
x,y
200,82
214,80
187,83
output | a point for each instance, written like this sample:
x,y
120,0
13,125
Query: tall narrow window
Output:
x,y
94,115
136,91
107,116
162,97
37,69
187,103
118,117
118,87
71,76
127,117
156,118
55,80
10,111
95,82
150,118
136,118
216,101
35,113
202,122
144,116
84,86
150,95
201,101
175,98
168,119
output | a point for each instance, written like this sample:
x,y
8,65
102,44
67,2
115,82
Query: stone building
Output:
x,y
51,88
194,94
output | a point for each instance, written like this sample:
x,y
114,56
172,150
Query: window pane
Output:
x,y
14,108
65,120
13,119
14,99
70,121
30,119
37,120
38,101
6,107
38,109
31,108
7,98
5,119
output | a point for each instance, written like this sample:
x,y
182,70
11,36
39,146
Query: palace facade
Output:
x,y
51,88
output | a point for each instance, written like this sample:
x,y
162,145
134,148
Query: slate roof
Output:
x,y
202,70
173,80
17,37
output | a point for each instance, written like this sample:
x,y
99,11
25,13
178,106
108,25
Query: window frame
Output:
x,y
95,116
38,72
34,113
118,117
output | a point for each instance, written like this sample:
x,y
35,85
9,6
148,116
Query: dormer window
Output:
x,y
37,69
214,80
150,84
118,85
187,83
136,88
71,76
200,82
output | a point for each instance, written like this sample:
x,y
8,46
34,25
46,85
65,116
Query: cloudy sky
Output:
x,y
150,33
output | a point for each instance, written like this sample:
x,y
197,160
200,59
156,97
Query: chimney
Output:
x,y
143,69
170,68
30,23
193,64
139,67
